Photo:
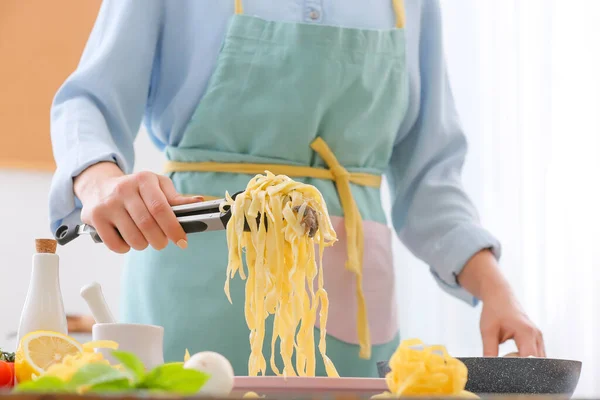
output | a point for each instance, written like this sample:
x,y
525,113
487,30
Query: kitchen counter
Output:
x,y
8,396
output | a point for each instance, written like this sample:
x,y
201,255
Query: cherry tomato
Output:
x,y
7,374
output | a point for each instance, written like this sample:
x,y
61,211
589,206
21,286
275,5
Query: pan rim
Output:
x,y
509,358
521,358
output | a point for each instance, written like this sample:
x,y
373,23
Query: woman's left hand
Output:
x,y
502,318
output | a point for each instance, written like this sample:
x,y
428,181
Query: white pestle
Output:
x,y
95,300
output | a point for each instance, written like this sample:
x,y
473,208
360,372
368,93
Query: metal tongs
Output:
x,y
194,218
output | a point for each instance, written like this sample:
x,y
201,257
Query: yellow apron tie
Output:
x,y
352,218
293,171
239,8
354,238
400,13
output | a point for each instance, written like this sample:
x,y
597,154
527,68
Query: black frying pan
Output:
x,y
504,375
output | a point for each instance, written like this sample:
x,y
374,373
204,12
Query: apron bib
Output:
x,y
322,105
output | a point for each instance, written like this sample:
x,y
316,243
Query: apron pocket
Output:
x,y
378,285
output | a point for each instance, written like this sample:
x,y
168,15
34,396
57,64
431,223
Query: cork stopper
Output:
x,y
47,246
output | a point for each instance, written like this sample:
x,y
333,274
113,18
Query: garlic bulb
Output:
x,y
218,367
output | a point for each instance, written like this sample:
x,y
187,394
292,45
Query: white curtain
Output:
x,y
525,76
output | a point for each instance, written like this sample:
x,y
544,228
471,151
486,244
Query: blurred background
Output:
x,y
525,75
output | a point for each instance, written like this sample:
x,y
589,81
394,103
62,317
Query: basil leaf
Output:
x,y
92,375
173,378
123,385
45,384
132,363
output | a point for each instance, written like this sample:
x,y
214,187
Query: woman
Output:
x,y
231,89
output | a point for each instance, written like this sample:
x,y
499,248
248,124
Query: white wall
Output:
x,y
24,217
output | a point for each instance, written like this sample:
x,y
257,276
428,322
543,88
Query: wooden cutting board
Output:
x,y
40,46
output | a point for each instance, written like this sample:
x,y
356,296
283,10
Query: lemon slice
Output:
x,y
39,350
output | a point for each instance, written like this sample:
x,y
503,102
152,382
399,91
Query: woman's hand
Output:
x,y
502,318
137,206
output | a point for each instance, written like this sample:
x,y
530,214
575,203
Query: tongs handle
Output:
x,y
194,218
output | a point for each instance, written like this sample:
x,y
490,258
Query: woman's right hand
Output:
x,y
138,206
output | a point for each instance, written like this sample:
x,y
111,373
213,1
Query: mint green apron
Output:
x,y
277,87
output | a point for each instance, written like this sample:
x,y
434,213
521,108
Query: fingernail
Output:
x,y
198,197
182,244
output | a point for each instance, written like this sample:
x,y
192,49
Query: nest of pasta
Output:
x,y
419,370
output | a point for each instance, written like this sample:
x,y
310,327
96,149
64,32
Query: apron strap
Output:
x,y
239,8
400,14
398,10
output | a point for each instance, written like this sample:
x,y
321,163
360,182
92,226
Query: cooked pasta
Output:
x,y
419,370
281,269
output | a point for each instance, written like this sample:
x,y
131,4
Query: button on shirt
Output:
x,y
151,60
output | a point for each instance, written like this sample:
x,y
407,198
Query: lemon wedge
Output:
x,y
40,350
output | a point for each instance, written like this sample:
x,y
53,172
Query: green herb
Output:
x,y
102,378
119,386
173,378
132,363
8,357
45,384
92,376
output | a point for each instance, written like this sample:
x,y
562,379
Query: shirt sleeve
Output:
x,y
431,212
97,112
